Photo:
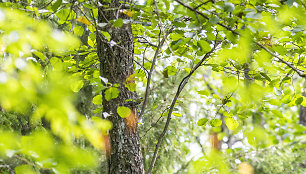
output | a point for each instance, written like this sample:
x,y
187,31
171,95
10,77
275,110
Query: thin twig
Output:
x,y
202,4
299,72
158,15
154,124
179,90
158,50
146,41
147,72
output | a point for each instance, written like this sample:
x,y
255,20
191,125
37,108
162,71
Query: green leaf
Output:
x,y
265,76
275,102
77,85
131,86
78,30
56,5
229,84
231,123
25,169
187,70
204,45
286,80
123,111
176,36
140,73
111,93
299,100
171,70
280,50
202,122
39,55
98,110
286,99
216,96
277,113
97,100
118,23
204,92
215,122
63,14
214,19
106,35
177,114
229,7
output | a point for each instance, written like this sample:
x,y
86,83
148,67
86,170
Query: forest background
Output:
x,y
222,84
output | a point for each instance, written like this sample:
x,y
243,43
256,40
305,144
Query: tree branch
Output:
x,y
179,90
299,72
161,43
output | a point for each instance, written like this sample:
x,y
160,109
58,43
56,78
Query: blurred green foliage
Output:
x,y
35,92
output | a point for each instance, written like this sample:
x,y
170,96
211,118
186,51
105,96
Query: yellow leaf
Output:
x,y
245,168
128,13
231,123
84,20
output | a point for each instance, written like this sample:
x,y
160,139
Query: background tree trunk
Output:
x,y
302,119
116,64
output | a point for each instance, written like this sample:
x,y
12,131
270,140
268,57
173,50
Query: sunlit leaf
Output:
x,y
78,30
215,122
204,45
177,114
131,86
123,111
97,100
204,92
231,123
275,102
77,85
98,110
106,35
118,23
171,70
39,55
111,93
202,122
128,13
216,96
83,20
277,113
25,169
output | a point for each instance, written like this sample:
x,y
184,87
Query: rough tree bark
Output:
x,y
116,64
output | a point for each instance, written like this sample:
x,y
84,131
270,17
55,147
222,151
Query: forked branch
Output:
x,y
179,90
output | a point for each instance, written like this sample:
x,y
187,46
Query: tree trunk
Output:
x,y
302,119
116,64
